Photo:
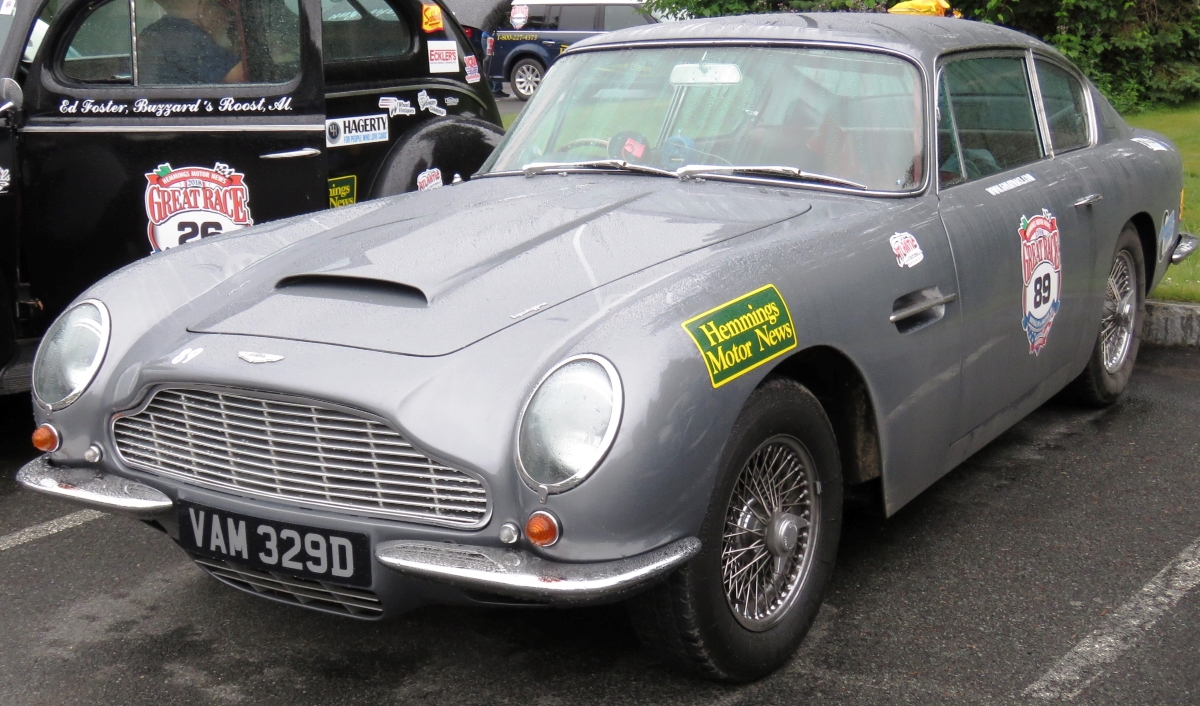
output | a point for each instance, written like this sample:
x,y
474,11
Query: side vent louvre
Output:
x,y
356,289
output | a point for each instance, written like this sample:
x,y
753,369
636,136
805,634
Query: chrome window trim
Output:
x,y
922,82
147,396
1089,103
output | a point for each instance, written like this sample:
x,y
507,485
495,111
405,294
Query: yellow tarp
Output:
x,y
941,8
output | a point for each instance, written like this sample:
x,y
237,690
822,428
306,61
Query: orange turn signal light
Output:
x,y
542,529
45,438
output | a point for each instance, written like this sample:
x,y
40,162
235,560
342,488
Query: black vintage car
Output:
x,y
132,126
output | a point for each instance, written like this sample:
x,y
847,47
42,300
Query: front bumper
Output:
x,y
500,572
517,574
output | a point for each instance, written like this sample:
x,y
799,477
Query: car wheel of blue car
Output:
x,y
525,77
1111,365
740,608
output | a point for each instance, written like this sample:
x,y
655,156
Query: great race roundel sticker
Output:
x,y
1041,267
189,203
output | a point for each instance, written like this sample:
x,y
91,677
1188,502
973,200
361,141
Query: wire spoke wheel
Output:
x,y
769,533
1120,308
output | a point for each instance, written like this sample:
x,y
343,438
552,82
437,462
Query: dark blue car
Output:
x,y
534,35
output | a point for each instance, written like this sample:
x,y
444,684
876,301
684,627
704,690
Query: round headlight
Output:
x,y
70,354
569,423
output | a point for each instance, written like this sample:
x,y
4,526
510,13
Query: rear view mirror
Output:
x,y
705,74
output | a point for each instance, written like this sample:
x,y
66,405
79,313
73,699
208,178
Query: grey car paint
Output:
x,y
475,291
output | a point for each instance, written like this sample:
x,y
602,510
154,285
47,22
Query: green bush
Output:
x,y
1140,53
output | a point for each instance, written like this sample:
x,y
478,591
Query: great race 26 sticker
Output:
x,y
429,179
188,203
742,334
443,57
1041,268
343,191
343,132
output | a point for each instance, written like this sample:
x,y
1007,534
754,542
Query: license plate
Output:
x,y
267,545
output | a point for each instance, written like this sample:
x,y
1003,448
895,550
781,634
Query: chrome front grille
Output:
x,y
313,594
302,452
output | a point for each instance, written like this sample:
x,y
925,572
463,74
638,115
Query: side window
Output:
x,y
189,42
577,18
1066,108
622,16
368,30
100,50
537,17
991,109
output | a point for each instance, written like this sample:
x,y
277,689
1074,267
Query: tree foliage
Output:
x,y
1138,52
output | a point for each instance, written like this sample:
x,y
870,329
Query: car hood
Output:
x,y
427,274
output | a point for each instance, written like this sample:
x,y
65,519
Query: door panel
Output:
x,y
140,159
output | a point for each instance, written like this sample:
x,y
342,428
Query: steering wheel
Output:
x,y
629,145
586,142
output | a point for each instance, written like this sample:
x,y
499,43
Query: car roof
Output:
x,y
921,37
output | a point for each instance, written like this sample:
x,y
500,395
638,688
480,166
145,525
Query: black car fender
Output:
x,y
451,145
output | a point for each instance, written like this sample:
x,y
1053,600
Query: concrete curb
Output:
x,y
1171,324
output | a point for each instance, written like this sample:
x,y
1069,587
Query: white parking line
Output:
x,y
46,529
1121,631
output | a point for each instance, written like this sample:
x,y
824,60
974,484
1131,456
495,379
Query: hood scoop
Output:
x,y
364,290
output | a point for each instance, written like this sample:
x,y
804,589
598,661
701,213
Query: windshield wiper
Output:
x,y
691,170
535,168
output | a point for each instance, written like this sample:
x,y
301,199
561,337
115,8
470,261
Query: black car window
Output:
x,y
577,18
950,172
622,16
992,111
100,50
1066,108
189,42
363,30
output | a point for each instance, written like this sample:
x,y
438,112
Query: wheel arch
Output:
x,y
523,53
842,390
1148,237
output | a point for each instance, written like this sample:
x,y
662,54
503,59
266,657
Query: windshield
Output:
x,y
851,115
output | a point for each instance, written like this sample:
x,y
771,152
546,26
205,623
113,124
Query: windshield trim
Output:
x,y
923,81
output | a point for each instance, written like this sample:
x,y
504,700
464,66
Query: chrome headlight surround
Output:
x,y
577,475
89,372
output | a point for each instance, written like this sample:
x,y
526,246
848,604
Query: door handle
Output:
x,y
1088,200
921,307
306,152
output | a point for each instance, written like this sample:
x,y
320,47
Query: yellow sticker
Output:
x,y
343,191
742,334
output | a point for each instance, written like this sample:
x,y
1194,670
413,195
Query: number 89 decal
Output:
x,y
1041,268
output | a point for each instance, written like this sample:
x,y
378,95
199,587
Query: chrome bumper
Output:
x,y
94,489
519,574
1184,247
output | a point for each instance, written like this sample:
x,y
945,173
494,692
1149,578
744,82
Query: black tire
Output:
x,y
525,77
457,145
1105,378
689,619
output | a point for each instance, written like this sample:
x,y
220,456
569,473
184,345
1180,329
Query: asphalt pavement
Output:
x,y
1058,563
